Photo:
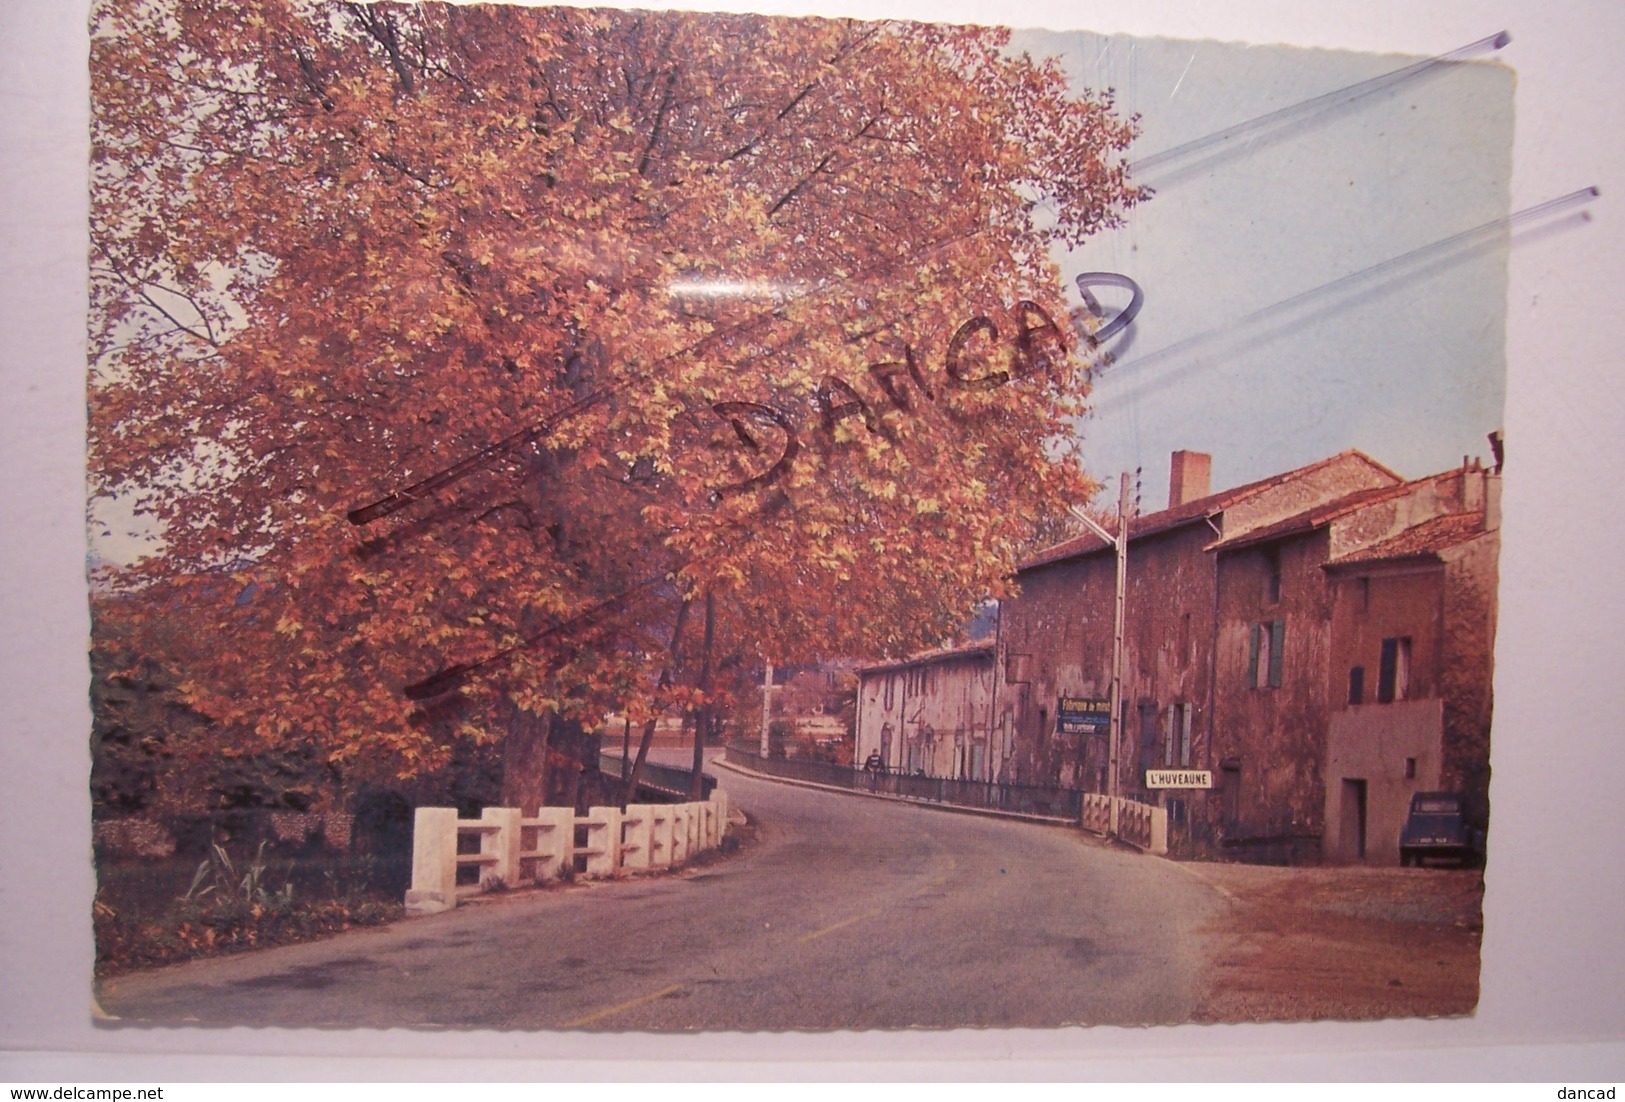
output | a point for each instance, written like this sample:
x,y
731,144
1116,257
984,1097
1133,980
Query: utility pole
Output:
x,y
1114,738
767,702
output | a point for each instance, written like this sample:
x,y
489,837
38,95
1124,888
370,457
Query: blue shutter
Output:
x,y
1386,673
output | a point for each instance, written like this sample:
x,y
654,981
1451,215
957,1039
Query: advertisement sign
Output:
x,y
1079,715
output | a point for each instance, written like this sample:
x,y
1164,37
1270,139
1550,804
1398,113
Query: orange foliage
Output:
x,y
338,248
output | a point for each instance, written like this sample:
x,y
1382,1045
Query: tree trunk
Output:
x,y
702,721
626,747
543,758
649,727
525,753
573,759
631,784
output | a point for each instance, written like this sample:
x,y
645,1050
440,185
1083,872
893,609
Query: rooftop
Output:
x,y
1317,517
1192,511
1425,540
926,658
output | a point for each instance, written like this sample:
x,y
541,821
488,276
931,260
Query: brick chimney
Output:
x,y
1190,476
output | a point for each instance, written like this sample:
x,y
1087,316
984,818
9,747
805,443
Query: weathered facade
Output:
x,y
1413,628
1055,638
1238,645
1338,662
929,713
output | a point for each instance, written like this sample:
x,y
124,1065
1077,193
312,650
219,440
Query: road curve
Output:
x,y
845,913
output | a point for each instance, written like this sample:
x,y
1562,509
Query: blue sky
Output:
x,y
1407,365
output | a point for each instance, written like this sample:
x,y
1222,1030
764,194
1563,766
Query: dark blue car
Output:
x,y
1436,829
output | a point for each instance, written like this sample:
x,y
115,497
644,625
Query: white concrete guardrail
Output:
x,y
1143,826
516,851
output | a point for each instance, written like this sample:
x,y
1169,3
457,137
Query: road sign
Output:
x,y
1179,778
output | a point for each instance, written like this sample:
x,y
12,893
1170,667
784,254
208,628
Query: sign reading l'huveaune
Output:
x,y
1179,778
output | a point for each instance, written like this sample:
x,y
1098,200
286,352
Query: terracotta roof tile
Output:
x,y
1424,540
1317,517
926,658
1201,508
1421,542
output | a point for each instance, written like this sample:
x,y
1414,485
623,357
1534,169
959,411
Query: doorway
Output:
x,y
1351,823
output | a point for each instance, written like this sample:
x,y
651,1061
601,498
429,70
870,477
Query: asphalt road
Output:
x,y
845,913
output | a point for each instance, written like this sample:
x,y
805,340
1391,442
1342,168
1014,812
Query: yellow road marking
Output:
x,y
628,1005
816,934
830,929
953,866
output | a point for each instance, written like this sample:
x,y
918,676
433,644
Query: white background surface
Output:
x,y
1553,1005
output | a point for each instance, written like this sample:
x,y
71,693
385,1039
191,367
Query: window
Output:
x,y
1393,679
1230,791
891,690
1266,642
1148,735
1185,654
1357,685
1272,574
1176,752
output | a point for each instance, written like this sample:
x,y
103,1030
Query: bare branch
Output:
x,y
660,121
799,184
380,26
140,287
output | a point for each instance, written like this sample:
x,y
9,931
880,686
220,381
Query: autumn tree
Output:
x,y
516,365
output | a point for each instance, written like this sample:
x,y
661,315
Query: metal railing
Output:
x,y
1055,803
666,779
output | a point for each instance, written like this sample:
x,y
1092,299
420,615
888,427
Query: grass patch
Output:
x,y
149,913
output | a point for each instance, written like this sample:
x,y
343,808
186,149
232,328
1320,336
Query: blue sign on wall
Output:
x,y
1080,715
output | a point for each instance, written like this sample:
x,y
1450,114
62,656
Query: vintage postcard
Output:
x,y
638,520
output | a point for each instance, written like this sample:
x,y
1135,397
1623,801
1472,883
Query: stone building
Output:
x,y
1413,634
1345,634
929,713
1240,644
1055,638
